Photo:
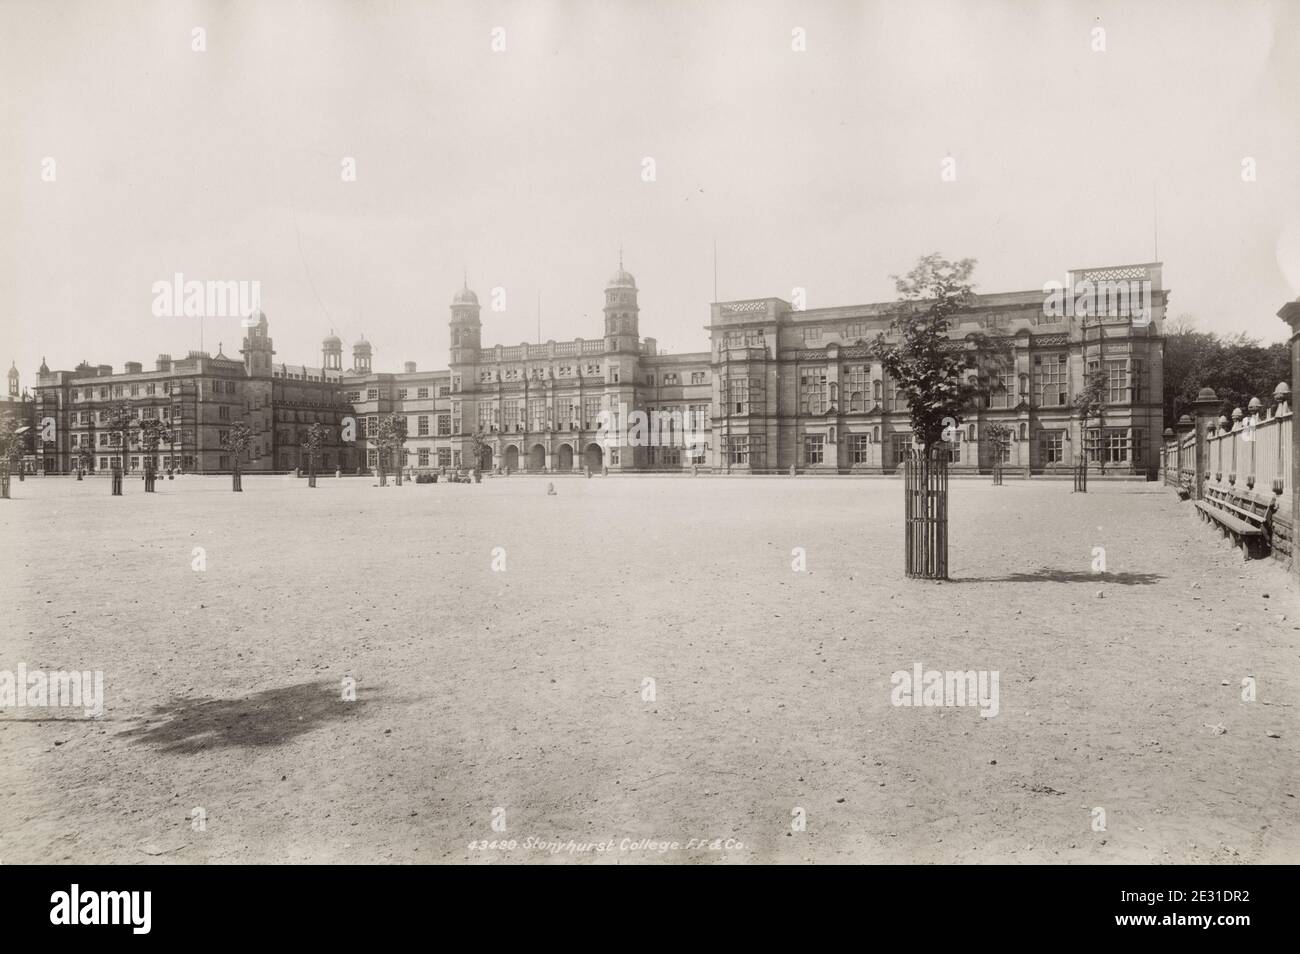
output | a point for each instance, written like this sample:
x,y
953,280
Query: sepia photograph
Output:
x,y
649,432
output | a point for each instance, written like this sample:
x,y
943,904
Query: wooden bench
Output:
x,y
1242,514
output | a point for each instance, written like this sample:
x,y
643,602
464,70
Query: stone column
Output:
x,y
1290,313
1205,407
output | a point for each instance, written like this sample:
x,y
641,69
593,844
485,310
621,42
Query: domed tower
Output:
x,y
13,379
466,331
621,312
331,352
257,350
361,353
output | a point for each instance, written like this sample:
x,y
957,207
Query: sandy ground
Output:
x,y
523,689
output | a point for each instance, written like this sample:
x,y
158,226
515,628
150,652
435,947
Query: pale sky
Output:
x,y
818,169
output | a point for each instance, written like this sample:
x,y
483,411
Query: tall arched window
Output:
x,y
857,401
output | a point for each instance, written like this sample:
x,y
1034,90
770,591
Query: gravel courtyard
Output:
x,y
515,678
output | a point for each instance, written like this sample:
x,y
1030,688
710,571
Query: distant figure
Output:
x,y
550,490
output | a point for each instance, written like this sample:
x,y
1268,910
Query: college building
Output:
x,y
779,387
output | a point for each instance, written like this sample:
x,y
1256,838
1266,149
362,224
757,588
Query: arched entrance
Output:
x,y
594,457
512,458
485,458
566,458
537,459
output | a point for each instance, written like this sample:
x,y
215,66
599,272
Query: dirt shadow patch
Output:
x,y
266,718
1047,575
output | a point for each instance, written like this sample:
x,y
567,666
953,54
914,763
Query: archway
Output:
x,y
512,458
594,457
537,459
485,458
566,458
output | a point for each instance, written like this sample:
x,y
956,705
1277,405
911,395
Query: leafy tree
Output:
x,y
238,439
998,434
152,433
477,445
1090,402
11,446
391,439
1236,368
85,456
316,437
121,423
938,376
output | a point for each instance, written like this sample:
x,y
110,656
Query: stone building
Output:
x,y
799,388
778,387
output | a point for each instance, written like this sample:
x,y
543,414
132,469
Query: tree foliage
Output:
x,y
940,378
316,437
1236,368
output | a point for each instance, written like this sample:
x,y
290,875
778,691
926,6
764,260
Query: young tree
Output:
x,y
938,376
477,446
391,440
998,434
152,433
85,456
237,441
11,443
1090,402
941,380
315,438
121,423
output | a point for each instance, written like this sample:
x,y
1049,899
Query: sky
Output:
x,y
525,167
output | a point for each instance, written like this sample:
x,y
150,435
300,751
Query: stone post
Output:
x,y
1204,407
1290,313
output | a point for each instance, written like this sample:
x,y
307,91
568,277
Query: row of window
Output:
x,y
1113,445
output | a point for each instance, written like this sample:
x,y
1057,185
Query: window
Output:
x,y
738,396
812,390
855,331
1051,447
744,339
443,390
812,335
1135,384
697,377
1117,381
670,378
223,412
372,394
738,450
422,456
814,448
954,448
444,456
537,414
444,425
858,448
1049,382
353,397
372,425
487,416
421,393
590,411
401,394
856,386
897,397
422,426
372,458
901,444
650,380
1004,394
